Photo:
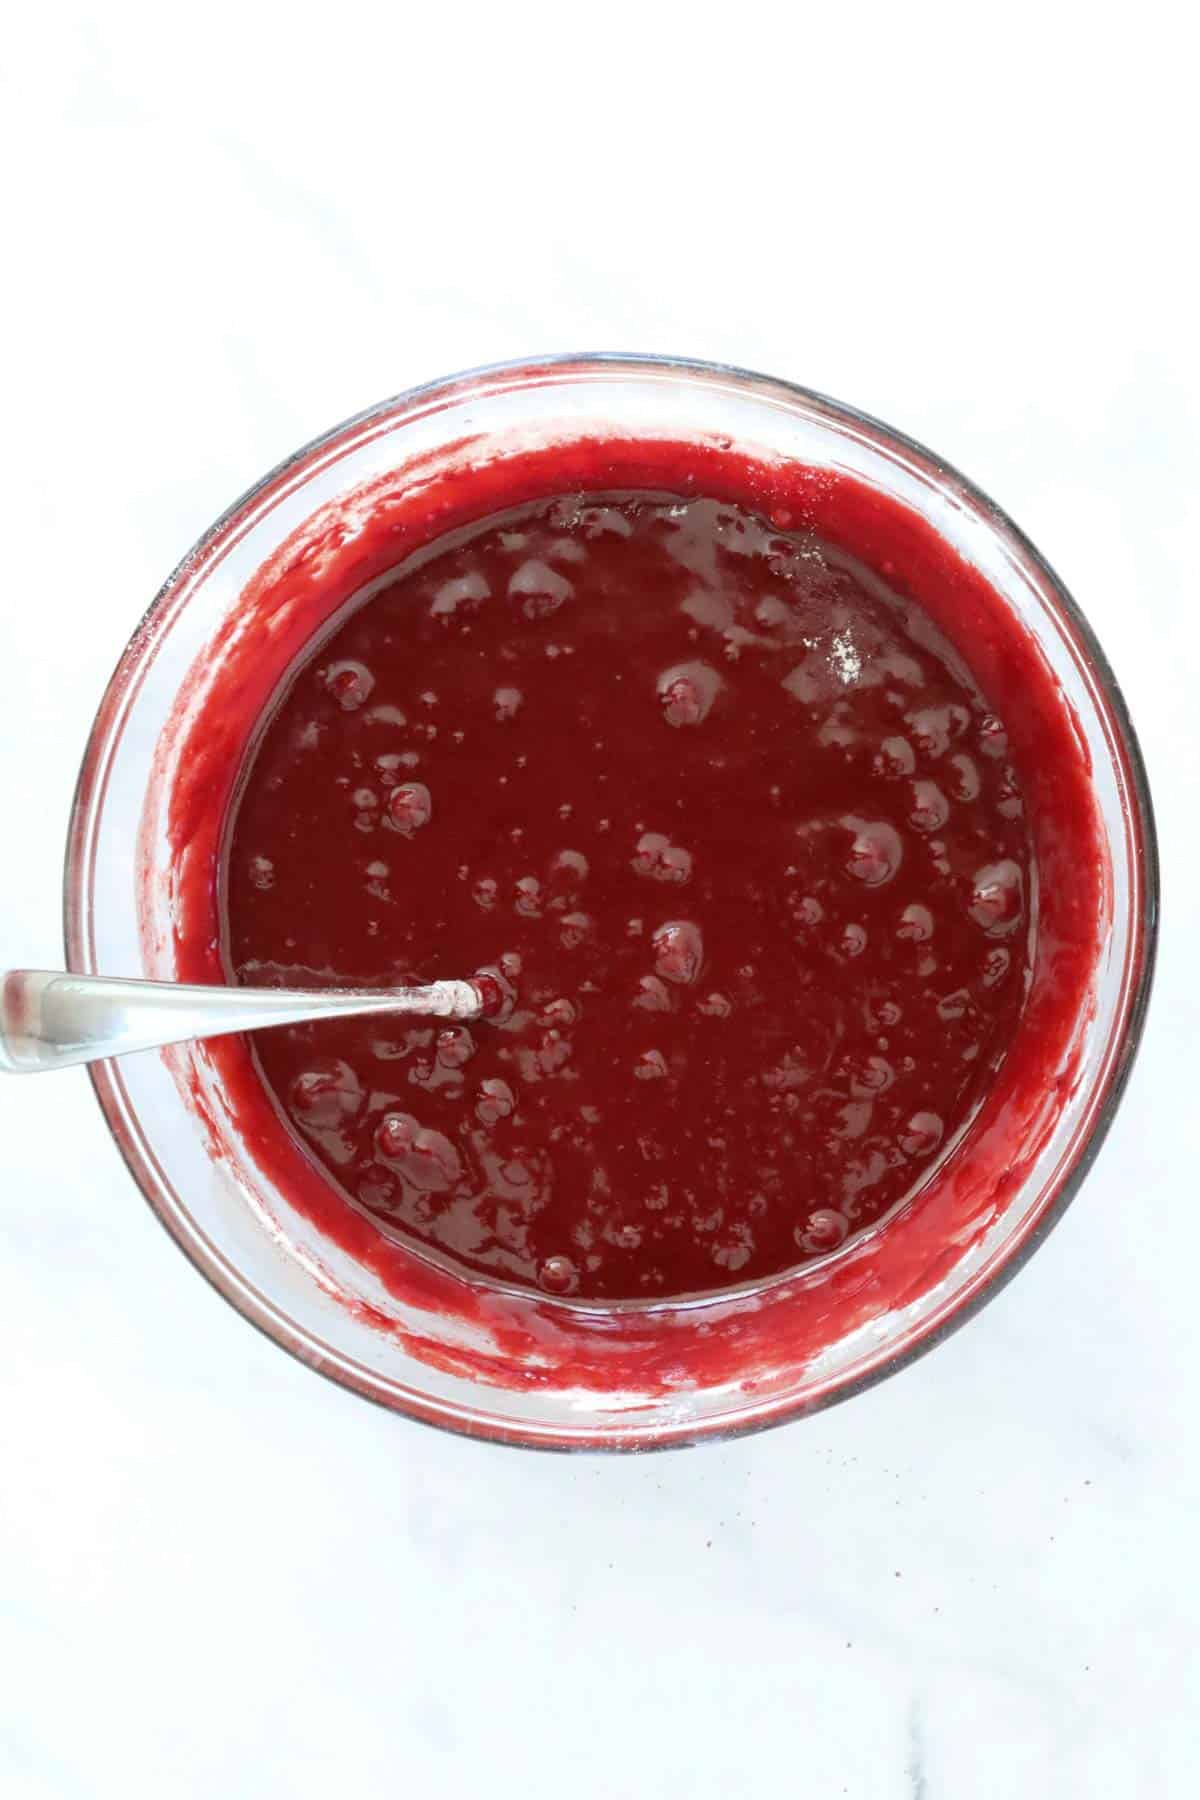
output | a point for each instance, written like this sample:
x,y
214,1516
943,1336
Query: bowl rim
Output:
x,y
271,1321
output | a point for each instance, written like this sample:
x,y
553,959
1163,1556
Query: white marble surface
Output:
x,y
220,1576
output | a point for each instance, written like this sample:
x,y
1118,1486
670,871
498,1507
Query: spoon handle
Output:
x,y
49,1019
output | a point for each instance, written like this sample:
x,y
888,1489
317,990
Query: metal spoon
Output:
x,y
49,1020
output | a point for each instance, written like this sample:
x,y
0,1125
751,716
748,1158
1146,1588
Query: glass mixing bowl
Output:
x,y
518,1368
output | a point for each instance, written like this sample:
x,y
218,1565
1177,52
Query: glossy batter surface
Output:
x,y
737,828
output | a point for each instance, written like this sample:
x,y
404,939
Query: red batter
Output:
x,y
738,826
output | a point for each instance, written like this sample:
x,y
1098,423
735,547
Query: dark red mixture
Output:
x,y
737,825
